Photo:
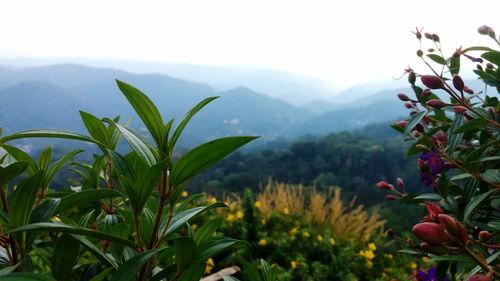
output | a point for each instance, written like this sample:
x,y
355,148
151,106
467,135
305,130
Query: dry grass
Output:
x,y
322,210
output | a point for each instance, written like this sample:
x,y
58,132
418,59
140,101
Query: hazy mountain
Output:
x,y
320,106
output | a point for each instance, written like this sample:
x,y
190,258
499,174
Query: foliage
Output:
x,y
304,248
127,221
455,129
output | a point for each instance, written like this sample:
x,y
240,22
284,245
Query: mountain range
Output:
x,y
50,97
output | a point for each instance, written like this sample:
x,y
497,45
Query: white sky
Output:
x,y
342,42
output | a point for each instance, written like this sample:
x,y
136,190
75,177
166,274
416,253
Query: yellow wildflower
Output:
x,y
294,231
194,226
413,265
286,211
332,241
240,215
258,204
319,238
262,242
56,219
230,218
426,259
211,200
263,221
369,264
389,256
306,234
369,255
372,246
184,194
294,264
209,266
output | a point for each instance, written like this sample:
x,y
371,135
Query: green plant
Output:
x,y
455,129
129,219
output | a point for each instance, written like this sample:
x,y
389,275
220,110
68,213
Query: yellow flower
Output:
x,y
184,194
426,259
413,265
262,242
258,204
294,264
389,256
369,264
56,219
294,231
211,200
230,218
306,234
332,241
263,222
286,211
319,238
372,246
209,266
194,226
369,255
240,215
361,253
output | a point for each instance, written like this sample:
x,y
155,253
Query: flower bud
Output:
x,y
435,103
430,50
468,90
490,66
436,250
383,185
491,112
430,232
458,83
435,38
459,109
400,183
483,235
390,232
412,77
480,277
408,105
402,123
426,93
428,35
432,82
403,97
479,67
433,211
453,227
391,197
420,53
484,30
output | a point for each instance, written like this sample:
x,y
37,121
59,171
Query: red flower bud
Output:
x,y
459,109
391,197
453,227
483,235
383,185
390,232
432,82
400,183
403,97
458,83
408,105
430,50
426,93
420,53
435,103
484,30
428,35
468,90
435,38
430,232
480,277
490,66
402,123
433,211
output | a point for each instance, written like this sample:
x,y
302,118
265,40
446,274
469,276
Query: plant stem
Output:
x,y
5,204
140,246
484,265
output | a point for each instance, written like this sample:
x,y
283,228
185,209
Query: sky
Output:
x,y
340,42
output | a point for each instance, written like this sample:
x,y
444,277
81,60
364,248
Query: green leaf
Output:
x,y
84,197
460,177
45,211
250,270
95,128
429,197
51,172
491,176
214,247
193,273
455,65
102,276
478,268
207,230
45,159
455,139
181,218
12,171
64,228
48,133
146,110
166,273
474,203
20,155
139,145
95,251
8,269
471,125
413,121
129,269
203,156
437,58
495,225
178,131
64,257
26,276
186,253
23,198
265,269
229,278
456,258
492,56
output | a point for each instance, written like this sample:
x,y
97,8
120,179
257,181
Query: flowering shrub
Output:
x,y
286,224
455,128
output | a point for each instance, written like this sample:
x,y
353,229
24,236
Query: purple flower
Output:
x,y
430,275
473,59
433,161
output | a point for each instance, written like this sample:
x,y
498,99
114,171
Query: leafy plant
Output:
x,y
127,221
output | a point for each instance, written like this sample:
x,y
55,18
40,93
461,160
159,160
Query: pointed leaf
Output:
x,y
207,230
23,198
146,110
26,276
185,253
181,218
474,203
65,256
95,128
214,247
194,273
48,133
185,121
64,228
455,139
413,121
45,159
20,155
130,268
84,197
436,58
203,156
52,171
12,171
95,251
